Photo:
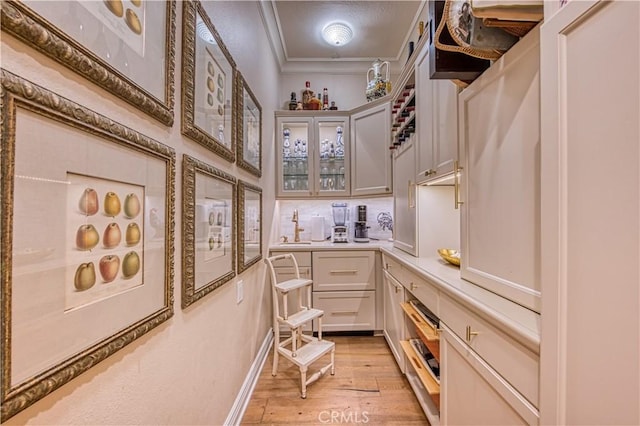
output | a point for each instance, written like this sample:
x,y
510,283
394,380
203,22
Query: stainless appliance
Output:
x,y
361,230
339,231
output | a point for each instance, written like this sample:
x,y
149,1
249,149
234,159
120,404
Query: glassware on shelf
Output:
x,y
286,144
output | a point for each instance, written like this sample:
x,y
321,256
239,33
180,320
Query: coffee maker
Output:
x,y
339,232
361,230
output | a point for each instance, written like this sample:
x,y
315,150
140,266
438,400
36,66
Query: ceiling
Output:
x,y
381,29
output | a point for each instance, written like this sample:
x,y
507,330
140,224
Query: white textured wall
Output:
x,y
190,369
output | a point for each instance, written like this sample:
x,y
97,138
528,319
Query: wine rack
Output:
x,y
403,116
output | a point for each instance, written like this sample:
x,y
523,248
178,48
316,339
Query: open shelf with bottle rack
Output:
x,y
403,123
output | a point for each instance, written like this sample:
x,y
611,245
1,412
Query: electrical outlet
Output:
x,y
239,291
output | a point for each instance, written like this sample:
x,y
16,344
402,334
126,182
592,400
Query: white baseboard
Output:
x,y
244,396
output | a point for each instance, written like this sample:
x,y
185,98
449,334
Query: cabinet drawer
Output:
x,y
341,270
346,310
302,257
517,364
422,290
392,266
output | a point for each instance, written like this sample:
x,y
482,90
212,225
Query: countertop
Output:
x,y
517,321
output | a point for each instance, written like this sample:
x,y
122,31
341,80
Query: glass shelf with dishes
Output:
x,y
313,156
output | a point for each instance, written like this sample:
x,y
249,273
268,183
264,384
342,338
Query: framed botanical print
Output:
x,y
208,98
249,225
249,133
87,239
127,47
209,221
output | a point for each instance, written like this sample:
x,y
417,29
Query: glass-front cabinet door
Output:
x,y
332,174
294,169
313,156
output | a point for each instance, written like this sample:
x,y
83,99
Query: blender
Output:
x,y
339,233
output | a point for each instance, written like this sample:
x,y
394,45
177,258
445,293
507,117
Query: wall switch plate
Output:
x,y
239,291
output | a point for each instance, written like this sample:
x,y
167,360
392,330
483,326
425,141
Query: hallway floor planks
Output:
x,y
368,388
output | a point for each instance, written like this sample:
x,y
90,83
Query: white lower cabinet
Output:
x,y
346,310
344,287
393,327
473,393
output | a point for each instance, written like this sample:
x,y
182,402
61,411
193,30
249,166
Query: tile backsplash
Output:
x,y
379,216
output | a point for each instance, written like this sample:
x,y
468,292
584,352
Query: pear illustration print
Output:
x,y
131,206
109,267
87,237
89,204
111,204
85,276
112,235
130,264
133,234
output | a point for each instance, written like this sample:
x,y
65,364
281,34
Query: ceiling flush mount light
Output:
x,y
337,33
204,33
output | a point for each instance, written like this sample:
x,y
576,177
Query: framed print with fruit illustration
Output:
x,y
87,239
127,47
249,225
208,221
249,133
208,97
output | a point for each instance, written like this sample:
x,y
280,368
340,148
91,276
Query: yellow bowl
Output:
x,y
450,255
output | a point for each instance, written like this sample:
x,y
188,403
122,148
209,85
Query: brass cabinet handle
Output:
x,y
344,271
456,185
398,288
340,313
413,286
429,172
410,196
470,333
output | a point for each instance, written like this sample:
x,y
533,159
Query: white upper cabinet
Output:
x,y
313,155
370,155
437,115
500,179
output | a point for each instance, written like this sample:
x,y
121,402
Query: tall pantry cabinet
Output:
x,y
590,94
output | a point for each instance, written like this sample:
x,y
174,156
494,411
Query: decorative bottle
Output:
x,y
307,95
325,99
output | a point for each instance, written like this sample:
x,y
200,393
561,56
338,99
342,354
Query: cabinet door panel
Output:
x,y
591,231
500,120
404,190
370,157
445,139
394,317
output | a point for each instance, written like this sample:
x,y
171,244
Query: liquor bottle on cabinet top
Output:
x,y
325,99
307,96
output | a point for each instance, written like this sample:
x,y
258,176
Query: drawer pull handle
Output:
x,y
470,333
336,313
413,286
344,272
417,364
398,288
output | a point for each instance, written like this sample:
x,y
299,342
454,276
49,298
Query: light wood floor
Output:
x,y
368,388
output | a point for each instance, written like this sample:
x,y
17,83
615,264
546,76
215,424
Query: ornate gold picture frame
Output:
x,y
87,239
208,87
249,225
209,226
249,129
126,47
